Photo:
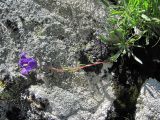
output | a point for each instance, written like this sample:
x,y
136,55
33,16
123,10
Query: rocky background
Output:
x,y
60,33
54,33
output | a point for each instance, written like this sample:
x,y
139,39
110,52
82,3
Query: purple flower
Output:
x,y
26,63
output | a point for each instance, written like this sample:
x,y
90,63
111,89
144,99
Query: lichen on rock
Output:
x,y
147,102
53,32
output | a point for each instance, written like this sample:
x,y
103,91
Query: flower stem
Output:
x,y
74,69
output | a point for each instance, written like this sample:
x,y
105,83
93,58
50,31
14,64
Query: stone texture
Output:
x,y
147,102
53,31
29,26
74,105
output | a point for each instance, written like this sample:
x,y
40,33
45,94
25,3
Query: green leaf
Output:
x,y
113,36
112,20
103,38
145,17
147,40
124,51
136,58
115,57
119,33
116,12
156,20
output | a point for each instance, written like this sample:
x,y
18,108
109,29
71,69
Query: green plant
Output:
x,y
129,21
3,95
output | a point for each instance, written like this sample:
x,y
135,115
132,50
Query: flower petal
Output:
x,y
23,55
28,68
23,62
27,64
32,63
24,71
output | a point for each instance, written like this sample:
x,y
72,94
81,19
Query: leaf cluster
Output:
x,y
129,21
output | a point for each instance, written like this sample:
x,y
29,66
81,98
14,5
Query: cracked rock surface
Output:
x,y
53,31
72,106
147,102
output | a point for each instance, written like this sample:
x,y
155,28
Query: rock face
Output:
x,y
75,105
52,29
147,102
53,32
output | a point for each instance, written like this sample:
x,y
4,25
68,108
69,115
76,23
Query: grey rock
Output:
x,y
147,102
81,115
77,103
3,109
84,100
53,31
29,26
62,102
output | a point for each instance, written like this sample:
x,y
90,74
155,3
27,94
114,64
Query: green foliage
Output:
x,y
129,21
3,95
2,85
